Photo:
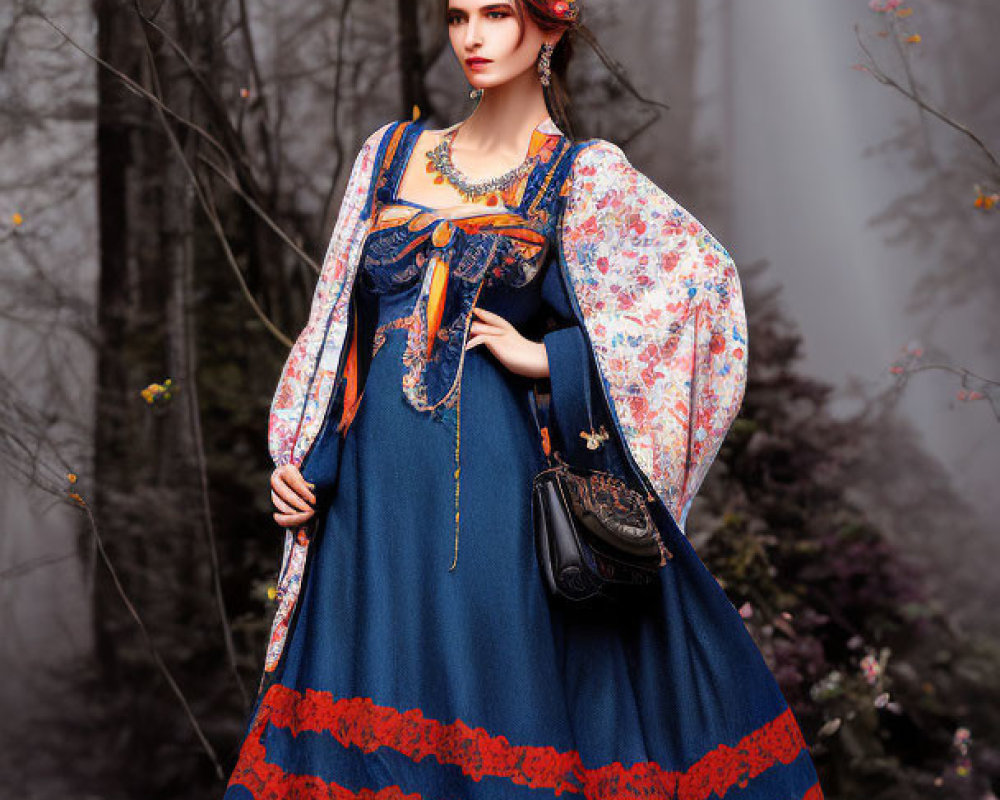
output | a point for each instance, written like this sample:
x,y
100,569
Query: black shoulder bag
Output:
x,y
594,535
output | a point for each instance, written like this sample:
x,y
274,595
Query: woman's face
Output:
x,y
488,31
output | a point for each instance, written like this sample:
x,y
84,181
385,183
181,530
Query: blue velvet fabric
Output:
x,y
672,679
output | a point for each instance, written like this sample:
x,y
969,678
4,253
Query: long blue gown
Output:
x,y
412,673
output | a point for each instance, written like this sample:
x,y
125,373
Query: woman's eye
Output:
x,y
497,14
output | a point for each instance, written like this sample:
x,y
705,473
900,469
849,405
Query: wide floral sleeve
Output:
x,y
663,306
290,402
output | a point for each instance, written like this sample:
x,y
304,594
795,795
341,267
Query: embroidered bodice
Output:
x,y
656,297
423,270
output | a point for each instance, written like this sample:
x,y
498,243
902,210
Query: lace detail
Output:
x,y
357,722
394,324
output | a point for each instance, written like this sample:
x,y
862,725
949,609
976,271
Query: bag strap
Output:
x,y
572,384
539,402
586,389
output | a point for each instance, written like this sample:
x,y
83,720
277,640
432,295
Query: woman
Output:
x,y
416,652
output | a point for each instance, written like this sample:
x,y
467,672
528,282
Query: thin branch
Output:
x,y
209,208
52,480
338,145
210,94
960,371
194,411
876,72
160,663
258,94
25,567
911,79
964,374
136,87
267,220
902,372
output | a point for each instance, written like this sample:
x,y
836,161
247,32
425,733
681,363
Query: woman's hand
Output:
x,y
292,496
521,356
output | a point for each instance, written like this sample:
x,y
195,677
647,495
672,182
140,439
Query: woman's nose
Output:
x,y
472,35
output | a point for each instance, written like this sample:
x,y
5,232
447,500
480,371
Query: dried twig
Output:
x,y
193,405
234,185
217,227
160,663
876,72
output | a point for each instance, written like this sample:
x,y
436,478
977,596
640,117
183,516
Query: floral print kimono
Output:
x,y
415,652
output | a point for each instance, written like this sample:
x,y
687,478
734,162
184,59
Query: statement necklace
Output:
x,y
439,161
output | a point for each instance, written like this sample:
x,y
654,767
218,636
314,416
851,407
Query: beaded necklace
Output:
x,y
439,160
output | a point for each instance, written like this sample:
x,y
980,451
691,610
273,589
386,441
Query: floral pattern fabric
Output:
x,y
663,304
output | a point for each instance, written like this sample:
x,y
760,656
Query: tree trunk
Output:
x,y
117,116
411,61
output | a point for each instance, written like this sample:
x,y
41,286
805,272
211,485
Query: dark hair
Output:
x,y
557,95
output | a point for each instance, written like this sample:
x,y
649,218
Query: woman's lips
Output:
x,y
477,63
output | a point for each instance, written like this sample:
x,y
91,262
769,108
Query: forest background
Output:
x,y
169,176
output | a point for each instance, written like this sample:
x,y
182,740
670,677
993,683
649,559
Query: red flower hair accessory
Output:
x,y
567,10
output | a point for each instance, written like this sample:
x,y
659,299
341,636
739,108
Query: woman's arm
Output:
x,y
520,355
290,395
294,491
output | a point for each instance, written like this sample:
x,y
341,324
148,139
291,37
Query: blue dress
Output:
x,y
425,658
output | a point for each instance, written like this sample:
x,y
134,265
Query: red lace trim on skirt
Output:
x,y
358,721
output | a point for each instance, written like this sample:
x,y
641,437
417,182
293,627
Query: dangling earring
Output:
x,y
475,94
545,63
